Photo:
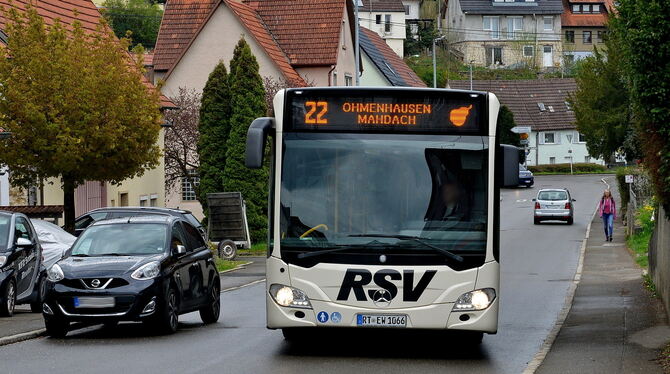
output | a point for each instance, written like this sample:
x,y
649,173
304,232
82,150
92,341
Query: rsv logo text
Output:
x,y
355,279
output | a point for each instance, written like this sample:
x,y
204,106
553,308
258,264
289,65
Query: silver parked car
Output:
x,y
554,204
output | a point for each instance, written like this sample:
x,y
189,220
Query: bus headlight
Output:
x,y
289,296
475,300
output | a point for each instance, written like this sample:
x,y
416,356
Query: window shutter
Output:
x,y
557,137
541,138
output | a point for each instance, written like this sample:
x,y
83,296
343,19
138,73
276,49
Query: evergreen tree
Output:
x,y
247,104
214,128
506,123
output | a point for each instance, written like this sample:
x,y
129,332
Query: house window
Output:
x,y
596,8
493,56
575,8
514,27
586,37
569,36
378,19
569,59
552,160
586,8
492,24
549,138
601,36
387,23
407,10
548,23
153,200
143,200
348,80
188,188
334,78
581,138
528,51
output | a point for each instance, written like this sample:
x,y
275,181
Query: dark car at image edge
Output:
x,y
147,268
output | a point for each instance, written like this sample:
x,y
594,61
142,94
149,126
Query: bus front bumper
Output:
x,y
433,317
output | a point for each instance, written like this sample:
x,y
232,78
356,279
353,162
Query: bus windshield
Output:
x,y
364,192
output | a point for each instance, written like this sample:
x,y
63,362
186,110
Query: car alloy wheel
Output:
x,y
11,298
172,311
211,312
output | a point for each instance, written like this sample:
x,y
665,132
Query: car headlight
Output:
x,y
3,260
475,300
289,296
147,271
55,273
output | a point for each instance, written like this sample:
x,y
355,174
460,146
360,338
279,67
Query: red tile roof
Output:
x,y
382,6
184,19
181,21
34,210
307,30
522,97
397,72
254,24
570,19
69,11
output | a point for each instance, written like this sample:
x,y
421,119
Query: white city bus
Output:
x,y
383,208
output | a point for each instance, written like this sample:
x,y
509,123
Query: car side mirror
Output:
x,y
574,199
180,250
23,242
534,200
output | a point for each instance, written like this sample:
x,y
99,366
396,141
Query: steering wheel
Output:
x,y
313,229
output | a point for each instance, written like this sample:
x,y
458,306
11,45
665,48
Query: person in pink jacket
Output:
x,y
607,209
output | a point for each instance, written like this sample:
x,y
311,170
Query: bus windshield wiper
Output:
x,y
415,239
342,247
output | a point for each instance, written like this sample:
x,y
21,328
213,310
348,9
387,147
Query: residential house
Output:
x,y
504,33
584,29
412,9
300,42
145,190
387,19
382,66
541,104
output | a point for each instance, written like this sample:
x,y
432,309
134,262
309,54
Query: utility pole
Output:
x,y
471,62
357,47
435,62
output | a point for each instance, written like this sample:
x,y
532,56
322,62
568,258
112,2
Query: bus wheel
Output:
x,y
293,335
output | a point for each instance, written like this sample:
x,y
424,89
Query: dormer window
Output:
x,y
586,8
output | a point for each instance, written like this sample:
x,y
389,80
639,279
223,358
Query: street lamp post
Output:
x,y
471,62
435,62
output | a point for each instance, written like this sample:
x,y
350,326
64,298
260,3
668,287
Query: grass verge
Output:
x,y
223,265
257,249
639,242
664,359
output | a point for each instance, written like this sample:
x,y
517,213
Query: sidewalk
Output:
x,y
26,325
614,325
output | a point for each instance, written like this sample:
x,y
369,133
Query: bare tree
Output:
x,y
181,140
273,85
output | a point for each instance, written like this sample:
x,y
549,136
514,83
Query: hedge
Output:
x,y
565,168
623,186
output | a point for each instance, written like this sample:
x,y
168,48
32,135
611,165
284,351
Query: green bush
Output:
x,y
639,242
623,186
565,168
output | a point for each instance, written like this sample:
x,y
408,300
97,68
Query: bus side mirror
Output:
x,y
256,137
509,162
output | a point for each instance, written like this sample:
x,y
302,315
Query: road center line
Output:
x,y
242,286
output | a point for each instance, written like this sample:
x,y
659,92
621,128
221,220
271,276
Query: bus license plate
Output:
x,y
94,302
381,320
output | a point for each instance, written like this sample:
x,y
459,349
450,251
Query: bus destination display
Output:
x,y
359,110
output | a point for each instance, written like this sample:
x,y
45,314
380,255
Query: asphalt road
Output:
x,y
538,262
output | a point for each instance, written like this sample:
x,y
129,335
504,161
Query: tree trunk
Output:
x,y
68,204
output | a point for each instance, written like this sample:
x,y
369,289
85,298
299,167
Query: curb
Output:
x,y
539,357
22,337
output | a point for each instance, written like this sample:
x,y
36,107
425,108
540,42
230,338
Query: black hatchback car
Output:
x,y
148,268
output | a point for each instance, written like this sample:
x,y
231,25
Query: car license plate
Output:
x,y
381,320
553,206
94,302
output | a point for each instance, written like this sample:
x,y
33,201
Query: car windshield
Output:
x,y
131,239
365,190
5,222
552,195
